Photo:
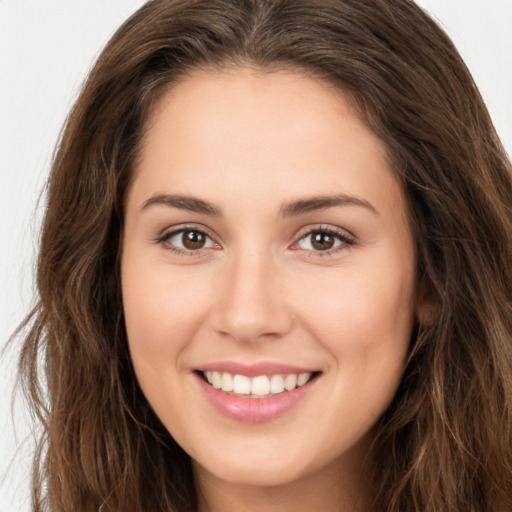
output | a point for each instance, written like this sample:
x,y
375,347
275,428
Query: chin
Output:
x,y
260,468
270,475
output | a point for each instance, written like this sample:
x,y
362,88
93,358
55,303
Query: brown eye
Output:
x,y
325,240
193,240
322,241
187,241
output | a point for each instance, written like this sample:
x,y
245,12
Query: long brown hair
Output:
x,y
445,443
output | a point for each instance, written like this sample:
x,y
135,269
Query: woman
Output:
x,y
275,269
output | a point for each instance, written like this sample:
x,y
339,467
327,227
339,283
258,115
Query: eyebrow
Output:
x,y
295,208
192,204
303,206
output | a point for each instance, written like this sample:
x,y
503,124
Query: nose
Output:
x,y
252,303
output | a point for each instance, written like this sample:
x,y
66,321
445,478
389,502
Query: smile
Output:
x,y
261,386
255,393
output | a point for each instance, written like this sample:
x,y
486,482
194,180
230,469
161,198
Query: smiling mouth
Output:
x,y
261,386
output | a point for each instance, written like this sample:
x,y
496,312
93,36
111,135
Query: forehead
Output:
x,y
215,132
261,103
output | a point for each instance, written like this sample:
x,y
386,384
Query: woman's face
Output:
x,y
267,249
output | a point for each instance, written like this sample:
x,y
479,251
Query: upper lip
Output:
x,y
253,370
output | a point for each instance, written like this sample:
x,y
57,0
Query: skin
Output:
x,y
250,142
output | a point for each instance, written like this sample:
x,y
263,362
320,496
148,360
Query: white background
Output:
x,y
46,49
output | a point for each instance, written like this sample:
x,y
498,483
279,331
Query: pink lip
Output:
x,y
253,370
254,410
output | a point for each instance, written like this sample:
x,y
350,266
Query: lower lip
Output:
x,y
254,410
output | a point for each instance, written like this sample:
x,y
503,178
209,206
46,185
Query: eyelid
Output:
x,y
169,232
348,239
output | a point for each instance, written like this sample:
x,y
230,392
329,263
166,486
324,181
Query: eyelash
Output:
x,y
165,237
346,241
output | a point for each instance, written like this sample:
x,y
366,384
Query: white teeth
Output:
x,y
216,380
290,382
241,385
276,384
227,382
259,386
303,378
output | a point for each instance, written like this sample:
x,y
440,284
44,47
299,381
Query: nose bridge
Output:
x,y
252,303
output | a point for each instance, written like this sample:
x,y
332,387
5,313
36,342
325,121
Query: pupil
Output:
x,y
193,239
322,241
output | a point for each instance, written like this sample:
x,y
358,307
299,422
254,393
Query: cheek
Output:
x,y
363,316
163,311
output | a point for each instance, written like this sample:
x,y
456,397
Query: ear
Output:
x,y
427,307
